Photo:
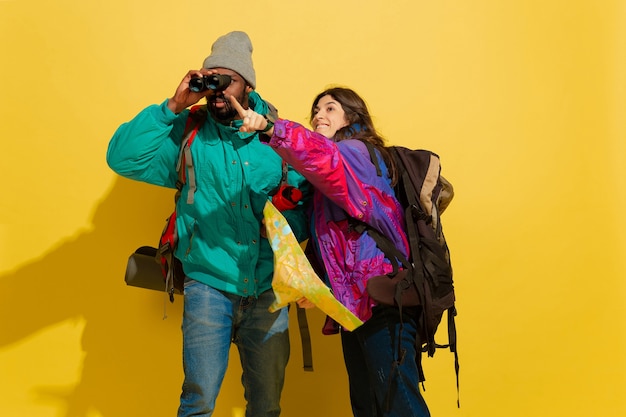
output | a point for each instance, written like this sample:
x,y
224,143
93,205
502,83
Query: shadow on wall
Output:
x,y
132,364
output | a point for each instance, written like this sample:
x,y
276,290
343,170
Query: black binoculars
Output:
x,y
216,82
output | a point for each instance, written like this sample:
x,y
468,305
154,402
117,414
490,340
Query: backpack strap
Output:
x,y
169,236
386,245
305,337
195,120
303,323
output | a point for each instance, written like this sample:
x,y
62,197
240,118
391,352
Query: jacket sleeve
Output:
x,y
344,173
341,171
146,148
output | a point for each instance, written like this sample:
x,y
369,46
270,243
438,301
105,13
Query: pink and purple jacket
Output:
x,y
346,185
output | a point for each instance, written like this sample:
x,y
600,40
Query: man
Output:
x,y
228,265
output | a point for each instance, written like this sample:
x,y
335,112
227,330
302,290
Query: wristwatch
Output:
x,y
270,122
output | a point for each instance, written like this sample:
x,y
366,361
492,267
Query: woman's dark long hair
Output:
x,y
360,125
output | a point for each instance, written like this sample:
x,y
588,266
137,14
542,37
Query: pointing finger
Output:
x,y
237,106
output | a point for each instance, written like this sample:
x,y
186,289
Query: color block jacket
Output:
x,y
346,185
219,234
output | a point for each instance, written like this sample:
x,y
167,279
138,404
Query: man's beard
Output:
x,y
223,114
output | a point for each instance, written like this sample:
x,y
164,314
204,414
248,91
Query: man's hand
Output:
x,y
252,121
184,97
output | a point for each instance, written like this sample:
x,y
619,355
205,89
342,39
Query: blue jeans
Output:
x,y
380,384
213,319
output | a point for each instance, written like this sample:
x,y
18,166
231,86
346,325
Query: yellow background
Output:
x,y
523,99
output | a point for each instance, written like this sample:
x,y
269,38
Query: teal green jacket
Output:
x,y
219,234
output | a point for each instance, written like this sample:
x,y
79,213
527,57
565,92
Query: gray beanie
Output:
x,y
233,51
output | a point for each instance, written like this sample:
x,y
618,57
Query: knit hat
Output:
x,y
233,51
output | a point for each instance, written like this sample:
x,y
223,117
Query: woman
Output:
x,y
335,159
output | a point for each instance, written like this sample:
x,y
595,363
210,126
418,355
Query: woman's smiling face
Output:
x,y
328,117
